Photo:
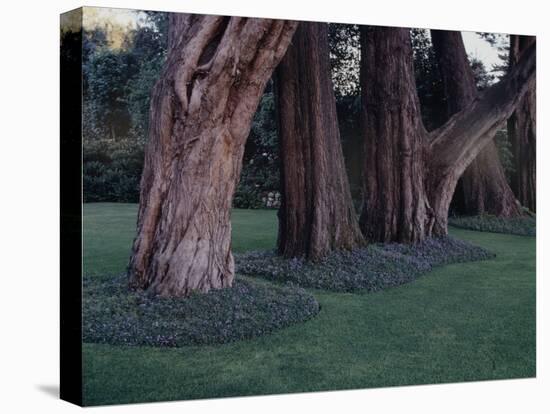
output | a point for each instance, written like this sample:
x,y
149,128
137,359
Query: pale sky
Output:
x,y
481,49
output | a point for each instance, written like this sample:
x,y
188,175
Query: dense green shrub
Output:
x,y
369,269
113,314
522,226
112,170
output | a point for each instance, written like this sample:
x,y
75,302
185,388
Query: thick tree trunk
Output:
x,y
201,110
522,132
395,207
410,175
317,214
483,188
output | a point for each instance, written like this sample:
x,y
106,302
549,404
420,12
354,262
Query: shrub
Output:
x,y
112,170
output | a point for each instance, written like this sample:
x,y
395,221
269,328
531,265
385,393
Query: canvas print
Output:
x,y
253,206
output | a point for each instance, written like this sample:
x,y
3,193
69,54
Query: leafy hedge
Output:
x,y
113,314
368,269
112,170
522,226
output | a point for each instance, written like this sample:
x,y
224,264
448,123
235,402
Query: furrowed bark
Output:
x,y
201,110
317,214
482,188
410,175
395,208
522,130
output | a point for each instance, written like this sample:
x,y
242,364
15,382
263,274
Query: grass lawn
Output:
x,y
463,322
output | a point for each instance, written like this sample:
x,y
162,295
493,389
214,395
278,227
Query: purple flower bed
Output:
x,y
112,314
368,269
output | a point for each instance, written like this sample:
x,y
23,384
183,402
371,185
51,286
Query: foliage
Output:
x,y
112,170
370,269
344,55
504,147
112,314
482,76
500,41
106,109
148,49
260,173
522,226
117,83
429,84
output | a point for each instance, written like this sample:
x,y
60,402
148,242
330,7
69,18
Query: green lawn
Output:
x,y
109,229
462,322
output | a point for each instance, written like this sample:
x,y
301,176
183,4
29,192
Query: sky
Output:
x,y
481,49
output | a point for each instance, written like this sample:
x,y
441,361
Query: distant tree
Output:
x,y
147,47
117,87
107,74
482,77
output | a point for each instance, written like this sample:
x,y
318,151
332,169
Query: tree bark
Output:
x,y
317,214
201,110
483,188
410,175
522,131
395,204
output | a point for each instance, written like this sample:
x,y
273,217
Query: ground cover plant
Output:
x,y
370,269
460,322
522,226
114,315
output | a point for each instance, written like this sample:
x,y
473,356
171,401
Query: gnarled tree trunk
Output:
x,y
483,188
201,110
317,214
522,131
410,175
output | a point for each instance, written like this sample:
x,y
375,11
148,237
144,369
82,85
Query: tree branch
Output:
x,y
455,145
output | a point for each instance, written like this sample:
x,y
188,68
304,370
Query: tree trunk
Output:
x,y
395,207
483,188
201,110
317,214
410,175
522,132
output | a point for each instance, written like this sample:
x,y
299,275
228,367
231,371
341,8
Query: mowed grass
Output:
x,y
463,322
109,230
